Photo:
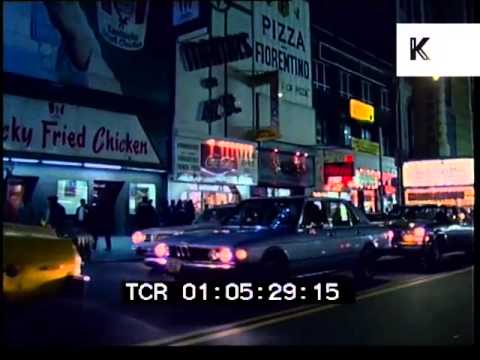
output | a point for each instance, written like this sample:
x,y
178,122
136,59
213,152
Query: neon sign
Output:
x,y
221,156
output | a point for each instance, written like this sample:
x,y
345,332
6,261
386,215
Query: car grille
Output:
x,y
189,253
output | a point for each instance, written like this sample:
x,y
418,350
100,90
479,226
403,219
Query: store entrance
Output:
x,y
105,193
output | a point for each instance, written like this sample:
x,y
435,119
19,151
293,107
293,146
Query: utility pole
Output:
x,y
380,162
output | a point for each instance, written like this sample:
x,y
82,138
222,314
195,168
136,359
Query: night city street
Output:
x,y
222,173
378,318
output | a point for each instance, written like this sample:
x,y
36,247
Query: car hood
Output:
x,y
228,236
170,230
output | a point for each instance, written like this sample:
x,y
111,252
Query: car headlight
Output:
x,y
223,254
138,237
161,250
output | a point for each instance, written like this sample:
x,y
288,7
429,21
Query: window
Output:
x,y
339,214
366,91
137,192
347,135
366,134
384,100
314,214
70,192
319,76
345,84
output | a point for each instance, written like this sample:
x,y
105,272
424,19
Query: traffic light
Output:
x,y
229,106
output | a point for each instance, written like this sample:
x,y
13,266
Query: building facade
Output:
x,y
435,113
87,110
355,159
244,121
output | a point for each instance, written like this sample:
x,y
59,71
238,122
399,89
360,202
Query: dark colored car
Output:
x,y
279,237
211,218
427,232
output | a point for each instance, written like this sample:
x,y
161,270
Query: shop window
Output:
x,y
366,91
137,192
345,84
70,192
384,100
319,76
366,134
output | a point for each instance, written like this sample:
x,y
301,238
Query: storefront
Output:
x,y
439,182
284,172
212,172
356,176
75,153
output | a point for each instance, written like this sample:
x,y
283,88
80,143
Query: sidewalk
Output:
x,y
121,251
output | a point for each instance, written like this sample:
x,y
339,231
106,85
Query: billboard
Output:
x,y
47,127
431,173
105,45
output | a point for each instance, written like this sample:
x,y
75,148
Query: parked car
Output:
x,y
427,232
36,262
277,237
146,239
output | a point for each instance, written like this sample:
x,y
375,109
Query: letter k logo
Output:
x,y
418,48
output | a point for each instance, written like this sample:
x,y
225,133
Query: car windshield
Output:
x,y
214,215
266,212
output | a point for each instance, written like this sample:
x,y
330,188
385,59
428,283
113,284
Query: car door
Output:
x,y
346,238
314,246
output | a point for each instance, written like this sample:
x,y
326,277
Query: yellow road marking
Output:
x,y
205,335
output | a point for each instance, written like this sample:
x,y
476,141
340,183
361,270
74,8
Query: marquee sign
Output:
x,y
39,126
215,161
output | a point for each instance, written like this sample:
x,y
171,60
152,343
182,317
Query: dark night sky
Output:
x,y
369,24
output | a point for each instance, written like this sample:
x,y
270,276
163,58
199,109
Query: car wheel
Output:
x,y
431,259
364,269
274,266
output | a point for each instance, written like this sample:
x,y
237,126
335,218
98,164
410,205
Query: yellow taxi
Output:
x,y
36,262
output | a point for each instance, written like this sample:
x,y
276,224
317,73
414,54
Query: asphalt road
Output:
x,y
401,307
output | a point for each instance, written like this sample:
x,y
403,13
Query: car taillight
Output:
x,y
415,236
161,250
138,237
389,235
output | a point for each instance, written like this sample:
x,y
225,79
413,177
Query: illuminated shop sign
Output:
x,y
47,127
282,168
448,172
215,161
361,111
365,146
342,169
449,196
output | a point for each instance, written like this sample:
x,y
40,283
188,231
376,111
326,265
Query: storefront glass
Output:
x,y
70,192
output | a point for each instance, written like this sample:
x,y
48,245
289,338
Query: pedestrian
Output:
x,y
151,214
164,214
142,214
180,213
102,222
81,215
55,215
82,237
189,212
173,213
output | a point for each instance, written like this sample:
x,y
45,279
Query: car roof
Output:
x,y
296,197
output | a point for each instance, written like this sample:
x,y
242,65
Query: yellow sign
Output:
x,y
362,111
365,146
264,134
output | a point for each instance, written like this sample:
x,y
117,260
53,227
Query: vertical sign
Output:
x,y
282,42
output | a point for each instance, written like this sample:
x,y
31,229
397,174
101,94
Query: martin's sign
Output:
x,y
215,51
39,126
